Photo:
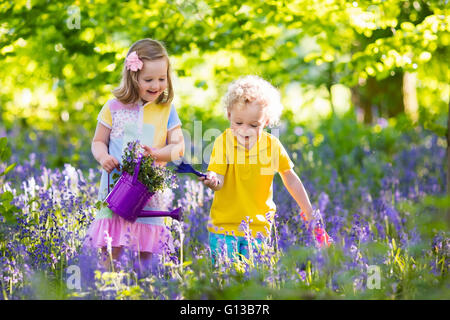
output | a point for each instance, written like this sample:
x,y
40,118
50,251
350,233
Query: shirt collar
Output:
x,y
141,103
261,145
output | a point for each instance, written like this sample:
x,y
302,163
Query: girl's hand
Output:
x,y
211,180
153,152
148,151
109,163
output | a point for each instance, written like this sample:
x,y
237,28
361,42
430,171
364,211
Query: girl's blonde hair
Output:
x,y
147,50
250,89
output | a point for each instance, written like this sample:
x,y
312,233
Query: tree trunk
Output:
x,y
382,98
330,82
360,103
392,98
410,96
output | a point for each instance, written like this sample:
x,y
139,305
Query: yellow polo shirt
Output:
x,y
248,183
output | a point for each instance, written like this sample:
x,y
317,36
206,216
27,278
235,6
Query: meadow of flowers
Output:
x,y
382,195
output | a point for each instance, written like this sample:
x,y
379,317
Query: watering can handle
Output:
x,y
136,172
136,169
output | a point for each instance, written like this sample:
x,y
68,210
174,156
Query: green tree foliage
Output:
x,y
60,60
7,209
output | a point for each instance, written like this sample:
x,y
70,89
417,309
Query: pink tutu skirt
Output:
x,y
137,236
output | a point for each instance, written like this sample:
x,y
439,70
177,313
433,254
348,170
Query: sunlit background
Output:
x,y
61,60
365,87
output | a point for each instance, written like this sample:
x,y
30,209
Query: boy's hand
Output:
x,y
322,237
211,180
109,163
316,226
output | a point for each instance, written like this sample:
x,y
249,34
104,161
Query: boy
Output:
x,y
243,162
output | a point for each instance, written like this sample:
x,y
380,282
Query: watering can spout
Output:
x,y
174,214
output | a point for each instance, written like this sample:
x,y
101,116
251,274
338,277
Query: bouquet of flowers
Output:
x,y
153,176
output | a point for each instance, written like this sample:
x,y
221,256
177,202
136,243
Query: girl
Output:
x,y
243,162
141,110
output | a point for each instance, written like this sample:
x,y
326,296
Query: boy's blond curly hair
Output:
x,y
250,89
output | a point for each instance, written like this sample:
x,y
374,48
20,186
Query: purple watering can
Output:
x,y
129,197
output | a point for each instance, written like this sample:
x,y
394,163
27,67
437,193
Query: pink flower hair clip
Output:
x,y
133,63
